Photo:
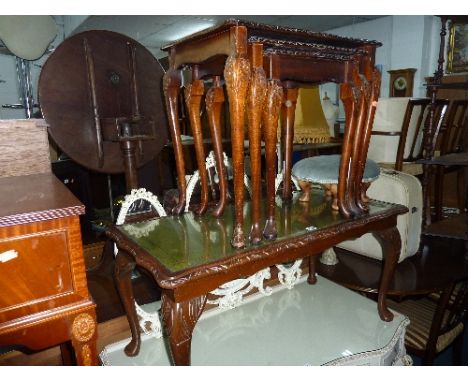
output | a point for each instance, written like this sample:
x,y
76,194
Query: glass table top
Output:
x,y
186,241
307,325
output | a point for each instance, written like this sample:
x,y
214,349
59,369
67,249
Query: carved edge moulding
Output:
x,y
229,295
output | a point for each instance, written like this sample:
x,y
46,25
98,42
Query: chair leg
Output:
x,y
428,359
439,193
461,189
457,350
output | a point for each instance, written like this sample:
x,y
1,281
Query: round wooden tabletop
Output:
x,y
95,77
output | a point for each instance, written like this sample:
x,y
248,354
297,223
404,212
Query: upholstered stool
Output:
x,y
323,169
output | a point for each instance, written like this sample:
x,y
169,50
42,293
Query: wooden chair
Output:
x,y
410,147
454,139
436,322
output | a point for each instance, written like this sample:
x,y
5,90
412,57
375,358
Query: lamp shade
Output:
x,y
27,36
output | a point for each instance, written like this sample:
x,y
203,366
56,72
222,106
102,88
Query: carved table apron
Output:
x,y
190,256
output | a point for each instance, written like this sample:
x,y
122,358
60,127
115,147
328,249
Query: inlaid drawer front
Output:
x,y
33,267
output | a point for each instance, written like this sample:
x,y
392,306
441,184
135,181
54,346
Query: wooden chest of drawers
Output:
x,y
44,299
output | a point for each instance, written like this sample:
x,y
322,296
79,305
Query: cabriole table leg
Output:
x,y
179,320
124,266
390,241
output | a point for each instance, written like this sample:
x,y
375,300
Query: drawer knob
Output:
x,y
8,255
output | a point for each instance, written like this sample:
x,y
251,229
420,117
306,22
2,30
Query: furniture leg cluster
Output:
x,y
262,68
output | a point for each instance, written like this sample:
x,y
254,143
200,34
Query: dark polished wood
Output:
x,y
186,270
455,159
124,267
44,299
439,262
430,164
171,87
193,97
371,98
92,82
270,119
257,95
390,241
179,319
288,110
214,101
454,227
453,146
433,128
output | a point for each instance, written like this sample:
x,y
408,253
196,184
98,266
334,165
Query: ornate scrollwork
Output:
x,y
210,162
139,194
142,229
180,318
328,257
130,199
279,180
84,327
289,275
86,355
232,292
150,323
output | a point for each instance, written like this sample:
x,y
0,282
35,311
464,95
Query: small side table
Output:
x,y
44,299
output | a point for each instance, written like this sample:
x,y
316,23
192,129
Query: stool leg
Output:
x,y
364,188
288,110
371,102
171,86
349,100
334,192
353,193
305,188
214,102
193,95
256,101
271,117
237,75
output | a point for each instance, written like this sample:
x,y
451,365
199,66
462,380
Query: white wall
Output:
x,y
8,87
379,30
9,92
407,42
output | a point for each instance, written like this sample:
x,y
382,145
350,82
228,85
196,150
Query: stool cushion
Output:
x,y
323,169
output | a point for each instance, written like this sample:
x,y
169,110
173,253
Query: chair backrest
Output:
x,y
456,307
452,308
437,321
454,135
417,117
